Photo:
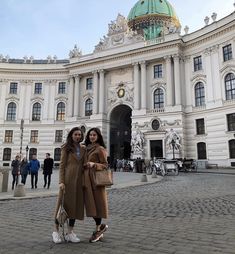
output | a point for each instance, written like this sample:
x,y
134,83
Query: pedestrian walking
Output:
x,y
47,170
15,171
34,166
24,170
95,198
70,183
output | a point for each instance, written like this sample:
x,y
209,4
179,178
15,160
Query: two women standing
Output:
x,y
77,183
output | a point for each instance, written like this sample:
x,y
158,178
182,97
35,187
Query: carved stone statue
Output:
x,y
173,138
137,142
75,52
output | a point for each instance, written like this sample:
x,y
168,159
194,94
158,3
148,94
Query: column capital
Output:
x,y
135,63
167,58
143,63
176,57
95,71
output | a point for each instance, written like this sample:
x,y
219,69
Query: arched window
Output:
x,y
199,94
230,86
158,98
57,153
36,113
231,144
201,151
60,115
88,107
11,111
32,151
6,154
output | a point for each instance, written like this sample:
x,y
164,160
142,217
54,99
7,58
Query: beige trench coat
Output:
x,y
95,198
71,168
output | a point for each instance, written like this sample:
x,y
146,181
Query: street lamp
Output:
x,y
173,147
27,149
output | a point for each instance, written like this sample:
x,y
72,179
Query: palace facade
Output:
x,y
143,77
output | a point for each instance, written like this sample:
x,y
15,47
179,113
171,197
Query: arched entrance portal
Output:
x,y
120,133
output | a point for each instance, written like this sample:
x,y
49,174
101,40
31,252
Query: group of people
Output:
x,y
77,187
24,167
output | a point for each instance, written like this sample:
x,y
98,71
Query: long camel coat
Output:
x,y
71,174
95,198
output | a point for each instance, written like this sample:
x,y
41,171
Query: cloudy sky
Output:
x,y
52,27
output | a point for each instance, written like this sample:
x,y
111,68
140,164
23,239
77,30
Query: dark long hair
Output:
x,y
69,145
100,140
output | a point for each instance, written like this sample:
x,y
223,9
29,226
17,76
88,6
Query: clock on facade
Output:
x,y
121,92
155,124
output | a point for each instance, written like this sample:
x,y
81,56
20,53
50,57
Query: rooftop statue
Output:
x,y
75,52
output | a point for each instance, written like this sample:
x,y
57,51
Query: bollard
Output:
x,y
19,190
154,174
144,178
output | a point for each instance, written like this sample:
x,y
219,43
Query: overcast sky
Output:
x,y
52,27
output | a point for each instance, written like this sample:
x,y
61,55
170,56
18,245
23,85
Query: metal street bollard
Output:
x,y
19,190
144,178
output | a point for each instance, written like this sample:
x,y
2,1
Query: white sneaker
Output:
x,y
72,238
56,237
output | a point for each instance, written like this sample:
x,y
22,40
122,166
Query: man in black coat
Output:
x,y
47,170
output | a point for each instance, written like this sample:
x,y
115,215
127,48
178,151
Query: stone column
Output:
x,y
169,87
76,96
101,92
51,110
143,85
70,96
136,87
177,80
188,88
209,85
95,92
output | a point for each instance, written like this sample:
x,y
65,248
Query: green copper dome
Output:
x,y
149,17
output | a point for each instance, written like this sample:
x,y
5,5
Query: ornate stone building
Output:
x,y
144,80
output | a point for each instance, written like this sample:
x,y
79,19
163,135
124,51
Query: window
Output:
x,y
13,88
36,114
230,86
231,149
197,61
200,126
231,122
58,135
57,153
201,151
38,88
157,71
83,128
60,115
32,151
61,88
89,83
34,136
8,136
11,111
158,98
88,107
6,154
199,94
227,52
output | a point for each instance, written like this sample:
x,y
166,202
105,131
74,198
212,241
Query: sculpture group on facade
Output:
x,y
173,139
137,142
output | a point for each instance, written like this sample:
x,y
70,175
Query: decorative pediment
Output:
x,y
118,34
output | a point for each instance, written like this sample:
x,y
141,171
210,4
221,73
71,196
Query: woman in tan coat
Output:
x,y
95,198
70,183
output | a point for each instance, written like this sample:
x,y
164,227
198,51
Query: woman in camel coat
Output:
x,y
70,182
95,198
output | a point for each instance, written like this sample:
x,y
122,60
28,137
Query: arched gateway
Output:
x,y
120,132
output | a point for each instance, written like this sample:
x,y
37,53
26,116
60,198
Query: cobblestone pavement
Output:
x,y
189,213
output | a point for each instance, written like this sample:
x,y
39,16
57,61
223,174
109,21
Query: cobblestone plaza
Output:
x,y
189,213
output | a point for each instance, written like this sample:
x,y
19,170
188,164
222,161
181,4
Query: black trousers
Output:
x,y
15,180
23,178
47,177
34,180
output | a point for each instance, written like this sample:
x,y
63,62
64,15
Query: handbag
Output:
x,y
103,177
62,215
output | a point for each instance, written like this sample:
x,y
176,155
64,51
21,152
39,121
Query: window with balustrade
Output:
x,y
199,94
36,112
88,107
60,114
158,98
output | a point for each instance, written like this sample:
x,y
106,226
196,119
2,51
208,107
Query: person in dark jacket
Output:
x,y
24,170
34,166
47,170
15,170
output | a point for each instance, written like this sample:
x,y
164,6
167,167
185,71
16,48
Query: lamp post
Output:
x,y
21,136
173,147
27,149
